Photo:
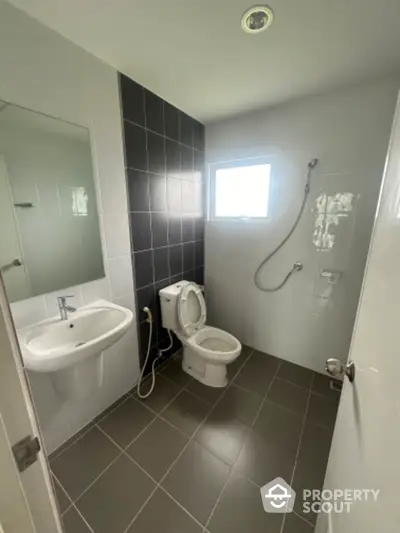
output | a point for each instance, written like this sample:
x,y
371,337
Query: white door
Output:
x,y
27,503
365,451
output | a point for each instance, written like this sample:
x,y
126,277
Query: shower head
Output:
x,y
312,163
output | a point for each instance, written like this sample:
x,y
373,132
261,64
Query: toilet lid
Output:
x,y
191,309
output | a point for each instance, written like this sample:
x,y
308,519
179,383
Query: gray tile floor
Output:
x,y
191,459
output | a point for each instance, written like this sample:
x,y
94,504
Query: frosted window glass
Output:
x,y
242,192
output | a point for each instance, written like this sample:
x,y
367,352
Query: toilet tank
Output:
x,y
169,305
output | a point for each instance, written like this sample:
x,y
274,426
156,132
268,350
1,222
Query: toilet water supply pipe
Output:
x,y
149,320
297,266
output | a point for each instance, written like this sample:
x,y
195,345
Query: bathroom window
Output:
x,y
240,190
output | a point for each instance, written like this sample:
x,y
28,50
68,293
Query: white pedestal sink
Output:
x,y
71,350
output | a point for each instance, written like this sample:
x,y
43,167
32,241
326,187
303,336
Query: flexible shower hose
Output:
x,y
296,266
153,365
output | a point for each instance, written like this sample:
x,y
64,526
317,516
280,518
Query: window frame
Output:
x,y
248,162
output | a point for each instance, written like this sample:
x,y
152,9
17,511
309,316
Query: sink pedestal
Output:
x,y
81,380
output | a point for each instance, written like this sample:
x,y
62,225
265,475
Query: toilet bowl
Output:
x,y
206,350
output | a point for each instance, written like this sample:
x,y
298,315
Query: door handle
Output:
x,y
337,369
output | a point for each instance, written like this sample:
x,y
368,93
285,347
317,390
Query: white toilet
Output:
x,y
206,350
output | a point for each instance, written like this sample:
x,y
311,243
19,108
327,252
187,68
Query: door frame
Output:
x,y
31,493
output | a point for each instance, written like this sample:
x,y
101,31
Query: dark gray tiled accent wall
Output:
x,y
164,157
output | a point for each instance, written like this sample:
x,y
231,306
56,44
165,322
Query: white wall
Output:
x,y
308,320
42,71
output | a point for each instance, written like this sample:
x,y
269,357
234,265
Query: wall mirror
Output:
x,y
49,224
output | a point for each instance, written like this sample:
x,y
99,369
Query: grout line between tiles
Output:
x,y
158,484
172,425
57,482
302,431
158,415
103,415
193,436
247,390
294,384
326,397
231,467
299,444
141,508
130,442
162,135
180,505
250,480
84,430
72,505
190,440
266,393
301,416
124,452
83,518
91,425
130,394
276,403
183,450
155,413
96,478
218,500
306,521
252,425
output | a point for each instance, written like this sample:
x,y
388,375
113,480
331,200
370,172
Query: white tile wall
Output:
x,y
127,301
99,289
120,273
76,299
42,71
308,320
26,311
116,234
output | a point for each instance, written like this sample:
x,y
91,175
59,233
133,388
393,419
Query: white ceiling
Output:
x,y
194,54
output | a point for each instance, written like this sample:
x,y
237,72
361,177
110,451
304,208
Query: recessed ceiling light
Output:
x,y
257,19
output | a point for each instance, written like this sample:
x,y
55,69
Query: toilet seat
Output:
x,y
192,312
207,351
215,345
211,344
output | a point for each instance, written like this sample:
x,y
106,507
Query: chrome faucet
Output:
x,y
63,307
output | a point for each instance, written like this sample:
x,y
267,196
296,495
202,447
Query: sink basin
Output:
x,y
56,344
